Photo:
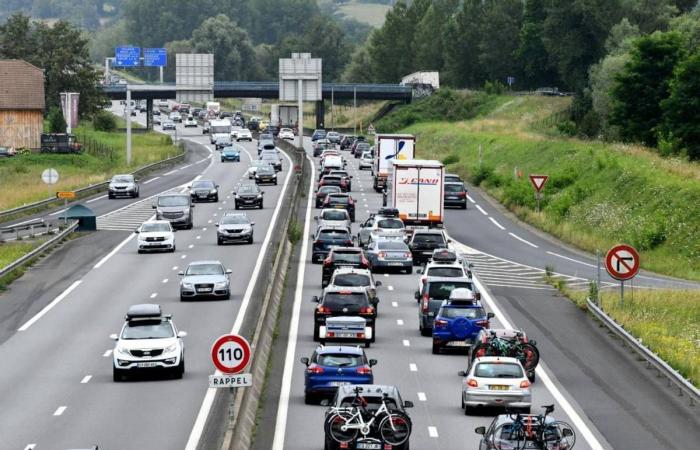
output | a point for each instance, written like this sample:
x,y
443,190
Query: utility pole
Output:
x,y
354,110
128,125
332,110
300,125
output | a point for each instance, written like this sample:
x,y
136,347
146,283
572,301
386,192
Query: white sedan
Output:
x,y
286,133
156,235
244,134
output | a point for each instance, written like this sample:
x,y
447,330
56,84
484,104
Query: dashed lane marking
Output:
x,y
154,295
60,410
482,210
412,367
399,322
406,343
432,432
496,223
107,353
86,379
394,304
523,240
422,397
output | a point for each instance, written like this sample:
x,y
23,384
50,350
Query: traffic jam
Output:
x,y
406,239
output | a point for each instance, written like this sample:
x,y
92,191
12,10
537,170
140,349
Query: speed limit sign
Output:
x,y
230,353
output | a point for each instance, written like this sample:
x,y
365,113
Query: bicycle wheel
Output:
x,y
482,349
395,428
558,436
529,356
335,427
509,436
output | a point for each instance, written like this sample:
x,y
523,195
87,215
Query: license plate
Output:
x,y
338,383
395,264
204,290
368,446
346,335
146,364
498,387
428,253
339,207
247,201
458,344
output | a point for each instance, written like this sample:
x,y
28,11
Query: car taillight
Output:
x,y
423,280
461,194
439,323
482,323
364,370
324,309
426,303
524,384
327,261
381,254
364,261
348,242
407,255
326,200
330,334
366,310
313,368
351,201
472,382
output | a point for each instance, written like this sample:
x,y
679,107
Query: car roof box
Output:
x,y
444,255
143,311
462,295
389,212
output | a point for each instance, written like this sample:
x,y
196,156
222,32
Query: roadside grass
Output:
x,y
13,250
667,321
598,194
20,176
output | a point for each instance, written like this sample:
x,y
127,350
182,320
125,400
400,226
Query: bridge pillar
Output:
x,y
320,114
149,114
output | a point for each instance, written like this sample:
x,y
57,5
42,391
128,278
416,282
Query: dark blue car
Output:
x,y
318,134
327,237
459,321
230,154
333,366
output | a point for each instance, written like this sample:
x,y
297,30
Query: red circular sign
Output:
x,y
622,262
231,353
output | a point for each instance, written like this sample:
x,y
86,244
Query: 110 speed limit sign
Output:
x,y
231,353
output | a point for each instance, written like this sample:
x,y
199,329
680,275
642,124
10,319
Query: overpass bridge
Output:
x,y
261,89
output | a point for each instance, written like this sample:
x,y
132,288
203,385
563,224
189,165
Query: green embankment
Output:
x,y
598,193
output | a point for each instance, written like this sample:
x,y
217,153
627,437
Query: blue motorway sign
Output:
x,y
127,56
155,57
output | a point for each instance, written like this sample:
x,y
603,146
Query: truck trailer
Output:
x,y
417,188
390,148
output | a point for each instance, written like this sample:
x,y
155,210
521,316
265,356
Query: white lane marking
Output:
x,y
571,259
30,447
183,256
107,353
165,280
58,212
399,322
224,202
395,304
199,237
96,198
115,250
391,288
151,180
201,160
523,240
48,307
185,167
470,199
86,379
406,343
204,229
283,403
190,246
422,397
220,208
174,267
60,410
482,210
412,367
208,401
432,432
154,295
496,223
209,221
169,173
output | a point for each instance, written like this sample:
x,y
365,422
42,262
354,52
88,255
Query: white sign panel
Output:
x,y
49,176
394,148
231,381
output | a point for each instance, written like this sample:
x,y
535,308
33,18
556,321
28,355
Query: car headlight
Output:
x,y
259,196
213,191
123,351
170,348
221,284
188,285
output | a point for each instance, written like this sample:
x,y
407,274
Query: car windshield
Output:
x,y
334,214
366,155
266,170
335,299
268,157
428,239
393,224
340,257
205,269
123,179
454,187
467,313
220,129
174,200
203,185
334,234
339,199
372,402
333,179
351,279
329,189
339,360
440,290
234,219
391,245
452,179
148,329
448,272
248,189
155,227
509,434
498,370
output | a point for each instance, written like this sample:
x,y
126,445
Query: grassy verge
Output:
x,y
668,322
598,194
11,251
20,177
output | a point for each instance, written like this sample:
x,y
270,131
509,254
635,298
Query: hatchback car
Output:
x,y
455,194
190,121
459,321
496,381
345,301
323,191
266,175
504,433
345,276
244,134
326,238
346,178
389,254
333,137
168,125
156,235
333,366
234,227
286,133
342,257
387,225
204,191
205,279
175,117
334,218
248,195
272,159
148,341
176,209
123,185
254,165
318,134
341,201
435,290
230,154
366,161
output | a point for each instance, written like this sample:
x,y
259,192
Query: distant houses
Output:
x,y
22,104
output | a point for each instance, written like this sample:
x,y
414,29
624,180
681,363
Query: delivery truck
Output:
x,y
213,110
390,148
284,116
416,191
219,128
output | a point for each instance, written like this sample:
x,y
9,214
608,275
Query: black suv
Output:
x,y
341,201
423,242
342,257
248,195
204,191
344,301
327,237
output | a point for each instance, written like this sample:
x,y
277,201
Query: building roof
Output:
x,y
21,85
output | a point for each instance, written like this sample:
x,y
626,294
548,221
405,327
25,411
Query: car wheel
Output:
x,y
374,333
409,270
425,331
110,196
436,349
467,410
227,296
180,369
235,205
368,344
309,399
464,206
118,374
328,444
172,250
139,251
316,332
219,241
183,298
462,401
531,376
250,241
216,199
190,225
261,205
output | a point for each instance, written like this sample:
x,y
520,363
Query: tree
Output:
x,y
172,49
17,40
650,15
682,108
639,89
532,54
57,124
498,44
461,39
359,70
428,45
390,46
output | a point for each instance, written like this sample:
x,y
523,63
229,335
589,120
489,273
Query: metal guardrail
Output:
x,y
83,192
673,376
38,251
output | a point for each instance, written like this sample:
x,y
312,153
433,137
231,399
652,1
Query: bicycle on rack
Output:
x,y
542,432
345,423
515,347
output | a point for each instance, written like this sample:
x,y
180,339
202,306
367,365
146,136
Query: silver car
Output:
x,y
334,217
496,381
205,279
386,254
356,277
367,161
234,227
123,185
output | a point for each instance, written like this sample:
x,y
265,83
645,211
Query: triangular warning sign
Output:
x,y
539,181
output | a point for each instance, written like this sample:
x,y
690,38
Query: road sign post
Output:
x,y
622,263
538,181
231,355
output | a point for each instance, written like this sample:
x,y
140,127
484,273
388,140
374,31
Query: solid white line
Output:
x,y
496,223
482,210
208,401
523,240
85,379
571,259
48,307
432,432
185,167
169,173
283,403
199,237
96,198
58,212
107,353
115,250
422,397
395,304
406,343
60,410
412,367
174,267
190,246
399,322
183,256
152,179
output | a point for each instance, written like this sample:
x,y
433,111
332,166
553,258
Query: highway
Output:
x,y
611,400
57,392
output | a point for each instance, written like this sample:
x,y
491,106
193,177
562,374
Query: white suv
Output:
x,y
148,341
155,235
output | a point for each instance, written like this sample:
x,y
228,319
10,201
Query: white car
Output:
x,y
244,135
286,133
234,133
175,116
156,235
445,263
190,122
148,341
496,381
366,162
168,125
334,217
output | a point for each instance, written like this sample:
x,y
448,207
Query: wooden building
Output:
x,y
21,104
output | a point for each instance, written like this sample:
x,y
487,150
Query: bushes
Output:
x,y
452,158
55,121
104,121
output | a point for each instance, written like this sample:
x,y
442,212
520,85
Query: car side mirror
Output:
x,y
229,271
471,266
181,334
315,299
533,342
408,404
477,295
252,223
449,241
416,295
181,273
377,283
372,362
316,218
216,225
262,192
480,430
419,271
114,337
217,186
136,231
153,206
325,402
305,361
462,373
490,315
